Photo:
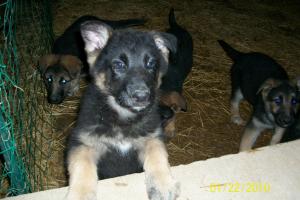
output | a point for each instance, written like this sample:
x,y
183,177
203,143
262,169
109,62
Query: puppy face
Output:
x,y
130,65
61,75
281,100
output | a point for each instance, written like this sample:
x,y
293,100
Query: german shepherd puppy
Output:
x,y
180,65
265,85
62,79
118,130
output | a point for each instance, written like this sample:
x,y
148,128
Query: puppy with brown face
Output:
x,y
118,130
61,69
61,75
265,85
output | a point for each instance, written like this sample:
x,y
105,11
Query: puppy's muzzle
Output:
x,y
285,120
139,93
55,99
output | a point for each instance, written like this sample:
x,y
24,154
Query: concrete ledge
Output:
x,y
267,173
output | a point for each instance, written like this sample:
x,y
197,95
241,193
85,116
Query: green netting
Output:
x,y
25,120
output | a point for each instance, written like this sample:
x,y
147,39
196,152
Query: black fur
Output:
x,y
134,49
180,65
293,132
181,61
250,70
71,43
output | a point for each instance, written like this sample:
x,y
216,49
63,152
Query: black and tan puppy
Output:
x,y
265,85
61,75
118,130
180,65
63,80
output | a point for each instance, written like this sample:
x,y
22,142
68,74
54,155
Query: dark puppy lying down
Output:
x,y
265,85
118,130
61,79
179,67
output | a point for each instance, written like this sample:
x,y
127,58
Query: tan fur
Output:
x,y
92,56
169,128
277,135
173,100
159,80
69,62
83,173
72,64
251,133
249,138
157,169
99,143
46,61
156,161
267,86
162,47
100,82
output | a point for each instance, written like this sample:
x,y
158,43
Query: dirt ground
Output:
x,y
205,130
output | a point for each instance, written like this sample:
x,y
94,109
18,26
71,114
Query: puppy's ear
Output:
x,y
72,64
46,61
266,87
165,42
95,35
297,82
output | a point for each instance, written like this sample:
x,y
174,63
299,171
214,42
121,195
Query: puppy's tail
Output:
x,y
231,52
126,23
172,20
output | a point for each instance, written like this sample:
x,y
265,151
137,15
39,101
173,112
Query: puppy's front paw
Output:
x,y
162,189
82,195
236,119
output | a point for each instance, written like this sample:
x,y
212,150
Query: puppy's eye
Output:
x,y
63,81
118,66
151,63
294,101
49,80
278,100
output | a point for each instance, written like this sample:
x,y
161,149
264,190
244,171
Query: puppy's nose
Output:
x,y
138,90
141,95
54,99
285,120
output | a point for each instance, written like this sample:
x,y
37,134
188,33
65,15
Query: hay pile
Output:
x,y
205,130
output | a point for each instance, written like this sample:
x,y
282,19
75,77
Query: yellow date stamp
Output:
x,y
240,187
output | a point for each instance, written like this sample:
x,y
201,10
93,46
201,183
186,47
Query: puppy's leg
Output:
x,y
169,127
236,98
252,131
277,135
159,181
83,173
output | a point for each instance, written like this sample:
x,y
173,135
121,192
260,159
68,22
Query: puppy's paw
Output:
x,y
162,189
81,195
236,119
